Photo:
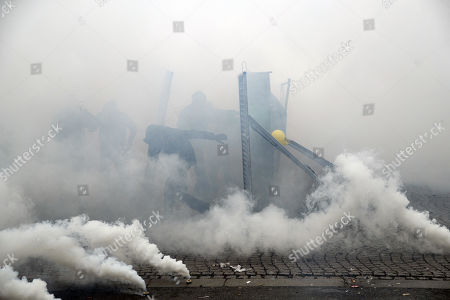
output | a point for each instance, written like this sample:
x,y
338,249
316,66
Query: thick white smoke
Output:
x,y
89,246
381,212
127,243
380,205
12,288
56,243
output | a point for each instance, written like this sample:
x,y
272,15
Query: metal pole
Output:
x,y
245,133
164,100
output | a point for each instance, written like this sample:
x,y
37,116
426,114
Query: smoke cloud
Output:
x,y
80,245
382,214
13,288
63,61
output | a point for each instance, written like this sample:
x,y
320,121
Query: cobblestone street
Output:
x,y
348,271
366,262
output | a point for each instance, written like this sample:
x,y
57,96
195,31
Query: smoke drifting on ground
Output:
x,y
92,247
82,53
381,211
13,288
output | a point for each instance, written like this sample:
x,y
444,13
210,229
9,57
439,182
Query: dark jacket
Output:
x,y
163,139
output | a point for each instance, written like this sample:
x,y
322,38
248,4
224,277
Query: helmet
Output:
x,y
280,137
199,97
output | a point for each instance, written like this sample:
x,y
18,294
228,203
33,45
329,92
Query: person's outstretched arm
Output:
x,y
198,134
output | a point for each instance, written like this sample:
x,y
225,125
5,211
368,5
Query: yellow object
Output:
x,y
280,137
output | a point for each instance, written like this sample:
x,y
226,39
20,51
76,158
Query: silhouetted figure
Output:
x,y
75,124
166,140
197,115
214,176
116,134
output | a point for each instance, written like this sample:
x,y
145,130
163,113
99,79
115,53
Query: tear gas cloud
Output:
x,y
13,288
400,67
80,244
84,64
381,214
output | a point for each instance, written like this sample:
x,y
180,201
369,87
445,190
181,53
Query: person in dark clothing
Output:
x,y
163,139
198,115
116,134
166,140
214,176
77,124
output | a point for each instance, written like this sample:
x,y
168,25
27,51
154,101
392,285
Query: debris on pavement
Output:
x,y
238,268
